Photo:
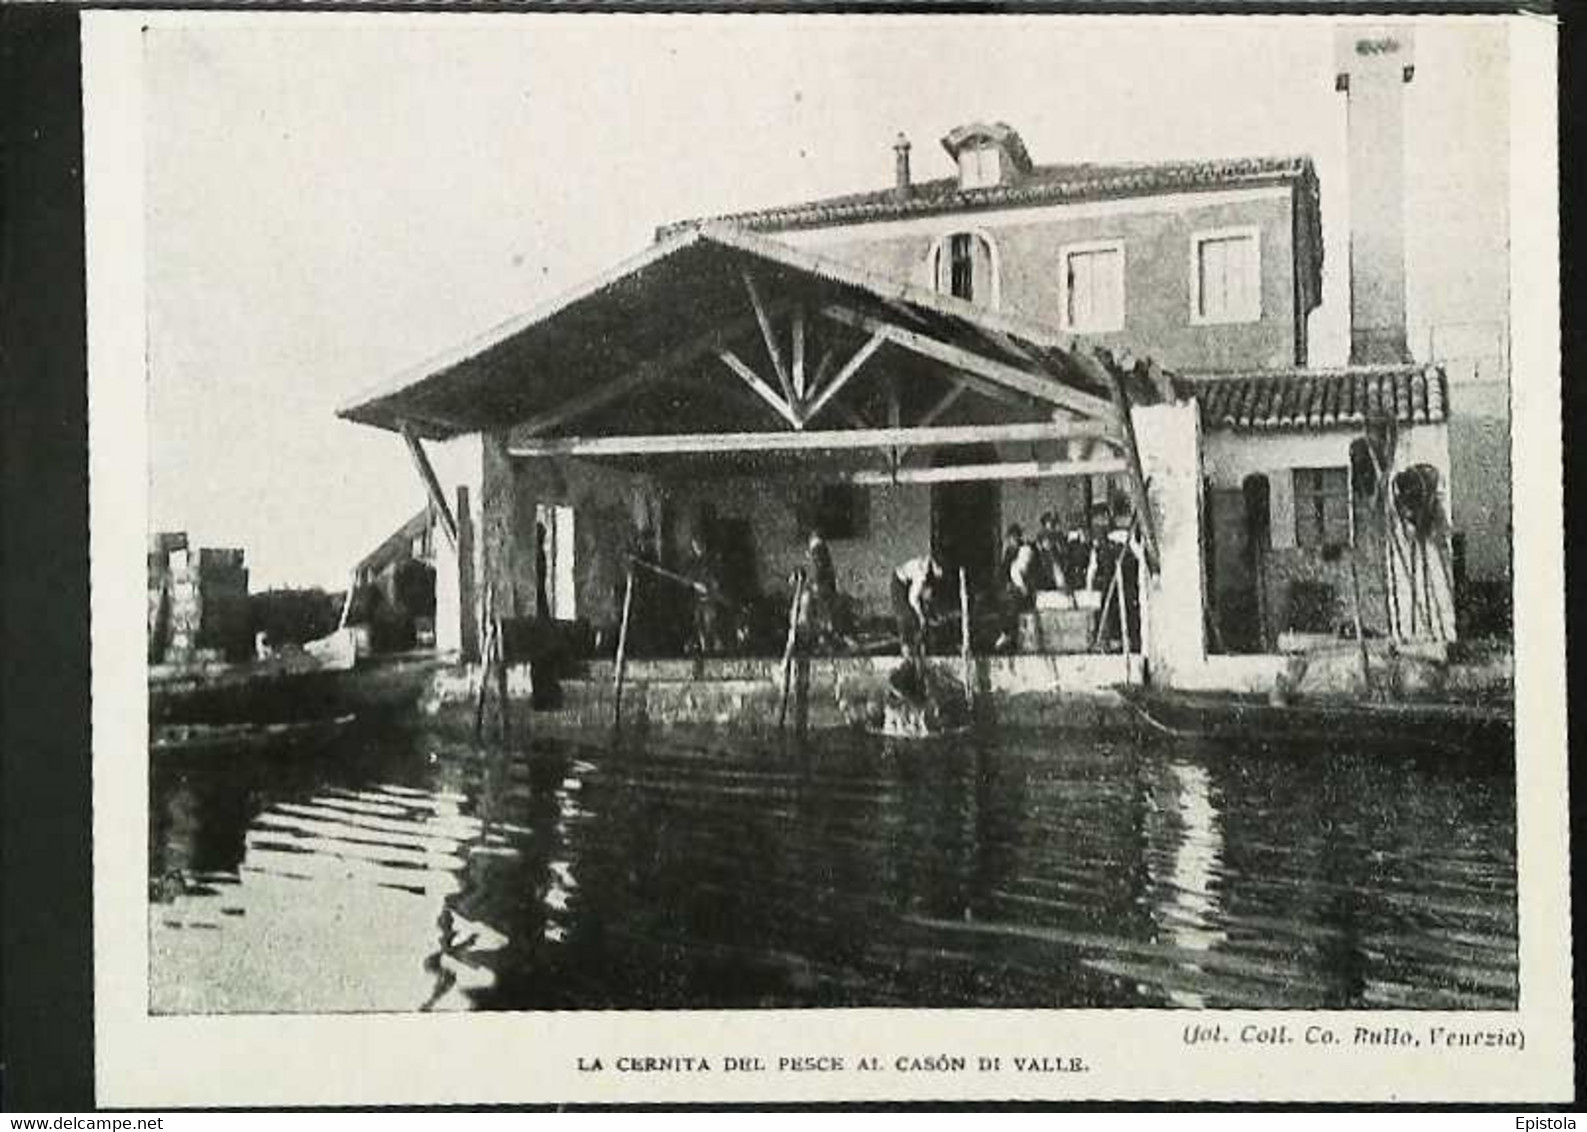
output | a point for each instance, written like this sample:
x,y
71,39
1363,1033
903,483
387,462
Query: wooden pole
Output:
x,y
432,485
1137,476
1355,612
1124,621
486,652
788,649
964,636
1107,607
347,602
622,651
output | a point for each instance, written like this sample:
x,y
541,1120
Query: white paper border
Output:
x,y
529,1058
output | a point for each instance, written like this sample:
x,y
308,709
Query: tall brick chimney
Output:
x,y
1371,65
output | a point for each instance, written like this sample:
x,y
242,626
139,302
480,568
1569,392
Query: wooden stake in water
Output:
x,y
788,649
622,651
964,636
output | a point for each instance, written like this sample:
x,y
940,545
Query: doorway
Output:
x,y
1236,551
965,518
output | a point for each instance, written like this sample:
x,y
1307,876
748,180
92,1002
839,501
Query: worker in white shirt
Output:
x,y
1019,582
913,587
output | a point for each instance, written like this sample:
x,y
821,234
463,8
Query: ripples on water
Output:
x,y
409,871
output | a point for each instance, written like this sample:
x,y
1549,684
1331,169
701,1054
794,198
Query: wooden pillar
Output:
x,y
467,578
507,517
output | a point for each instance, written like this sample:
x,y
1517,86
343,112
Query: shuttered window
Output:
x,y
1226,283
1322,507
1092,287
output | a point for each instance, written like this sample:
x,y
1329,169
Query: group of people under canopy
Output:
x,y
1080,564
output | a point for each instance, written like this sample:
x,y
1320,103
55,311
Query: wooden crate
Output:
x,y
1057,630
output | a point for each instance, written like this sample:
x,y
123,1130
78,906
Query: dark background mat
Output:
x,y
46,951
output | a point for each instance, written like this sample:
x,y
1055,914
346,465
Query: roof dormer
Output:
x,y
987,155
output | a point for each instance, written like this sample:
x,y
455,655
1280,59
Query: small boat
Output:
x,y
272,693
211,738
1415,725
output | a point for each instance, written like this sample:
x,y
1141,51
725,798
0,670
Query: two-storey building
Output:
x,y
920,366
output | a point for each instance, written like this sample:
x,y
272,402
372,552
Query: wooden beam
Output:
x,y
978,473
763,316
432,485
587,402
1043,386
1132,454
823,367
799,355
655,370
852,415
944,403
761,389
808,441
841,378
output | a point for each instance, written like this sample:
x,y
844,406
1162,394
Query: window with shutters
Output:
x,y
1322,507
1091,287
1226,276
980,167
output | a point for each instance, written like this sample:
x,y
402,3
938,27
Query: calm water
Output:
x,y
411,871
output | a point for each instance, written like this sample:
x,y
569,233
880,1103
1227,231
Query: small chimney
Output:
x,y
1372,64
901,186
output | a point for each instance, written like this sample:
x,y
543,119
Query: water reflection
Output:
x,y
1185,833
406,871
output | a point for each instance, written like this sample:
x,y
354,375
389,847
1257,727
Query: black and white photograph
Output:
x,y
689,521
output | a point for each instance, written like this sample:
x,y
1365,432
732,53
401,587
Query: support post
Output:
x,y
467,578
432,486
1137,477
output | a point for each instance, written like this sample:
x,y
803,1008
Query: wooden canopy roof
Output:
x,y
722,331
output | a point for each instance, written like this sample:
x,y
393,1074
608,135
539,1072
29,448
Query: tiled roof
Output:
x,y
1337,398
1044,184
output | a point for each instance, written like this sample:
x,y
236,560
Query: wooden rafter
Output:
x,y
976,473
1099,371
667,444
1043,386
823,367
799,355
657,369
587,402
760,388
432,485
844,375
944,403
773,351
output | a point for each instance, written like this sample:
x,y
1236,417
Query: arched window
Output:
x,y
964,264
